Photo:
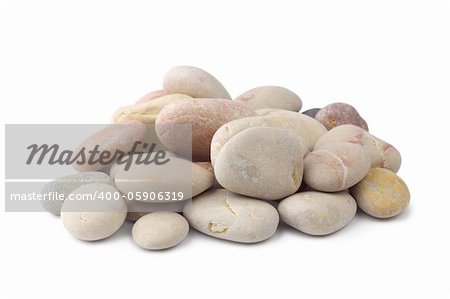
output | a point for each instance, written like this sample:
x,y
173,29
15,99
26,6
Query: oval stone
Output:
x,y
225,215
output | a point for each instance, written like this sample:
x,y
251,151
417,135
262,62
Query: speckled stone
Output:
x,y
382,193
337,114
311,112
65,185
204,115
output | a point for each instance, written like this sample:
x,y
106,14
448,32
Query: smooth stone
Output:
x,y
270,97
261,162
338,114
96,219
139,208
195,82
311,112
203,116
234,127
382,194
151,96
382,154
311,130
178,175
146,112
229,216
160,230
336,166
317,213
110,140
67,184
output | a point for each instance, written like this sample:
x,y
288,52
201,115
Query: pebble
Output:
x,y
338,114
381,194
381,153
232,128
115,137
66,184
148,111
195,82
151,96
225,215
317,213
177,175
336,166
204,116
311,129
261,162
270,97
96,219
160,230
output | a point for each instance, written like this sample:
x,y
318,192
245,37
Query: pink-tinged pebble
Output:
x,y
338,114
151,96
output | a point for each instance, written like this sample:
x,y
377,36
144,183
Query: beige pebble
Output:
x,y
232,128
95,219
382,154
270,97
177,175
226,215
203,116
317,213
311,130
114,138
382,193
160,230
146,112
151,96
194,82
336,166
261,162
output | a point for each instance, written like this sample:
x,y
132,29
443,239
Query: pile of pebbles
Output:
x,y
256,160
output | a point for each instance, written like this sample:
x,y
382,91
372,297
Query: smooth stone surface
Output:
x,y
382,154
311,130
205,116
160,230
113,138
232,128
151,96
195,82
311,112
139,208
178,175
210,168
270,97
317,213
146,112
382,193
66,184
338,114
336,166
226,215
91,220
261,162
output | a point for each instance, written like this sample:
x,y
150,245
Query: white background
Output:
x,y
78,62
